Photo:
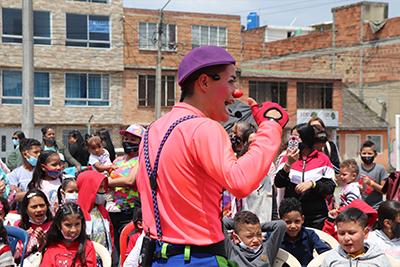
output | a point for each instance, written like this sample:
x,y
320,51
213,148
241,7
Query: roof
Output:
x,y
356,115
257,73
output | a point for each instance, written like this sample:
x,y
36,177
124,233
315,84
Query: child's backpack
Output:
x,y
392,186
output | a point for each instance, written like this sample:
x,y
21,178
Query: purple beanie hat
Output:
x,y
202,57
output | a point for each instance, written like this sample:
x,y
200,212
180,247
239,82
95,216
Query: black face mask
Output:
x,y
367,160
396,230
51,141
130,148
321,138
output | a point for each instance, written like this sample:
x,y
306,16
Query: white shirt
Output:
x,y
103,159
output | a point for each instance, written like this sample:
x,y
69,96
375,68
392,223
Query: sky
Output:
x,y
271,12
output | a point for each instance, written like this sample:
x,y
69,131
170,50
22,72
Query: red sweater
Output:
x,y
59,254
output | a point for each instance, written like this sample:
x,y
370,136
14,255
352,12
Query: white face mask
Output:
x,y
70,198
35,222
248,249
100,198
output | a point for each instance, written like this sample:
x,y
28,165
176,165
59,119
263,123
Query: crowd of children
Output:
x,y
63,215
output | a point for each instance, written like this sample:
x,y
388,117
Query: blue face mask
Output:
x,y
15,142
32,160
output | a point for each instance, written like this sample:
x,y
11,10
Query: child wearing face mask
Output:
x,y
66,241
372,176
92,188
248,248
68,191
386,230
47,177
36,219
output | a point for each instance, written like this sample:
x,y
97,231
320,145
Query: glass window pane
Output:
x,y
101,45
204,35
82,44
99,28
12,21
12,40
12,83
152,35
151,90
195,36
172,36
99,1
105,82
11,101
282,94
77,26
142,35
41,102
222,36
213,35
98,103
75,103
171,91
95,86
41,41
41,23
163,91
75,85
42,85
142,90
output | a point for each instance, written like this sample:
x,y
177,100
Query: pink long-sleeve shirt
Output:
x,y
196,162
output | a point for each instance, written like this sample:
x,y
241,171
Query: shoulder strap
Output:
x,y
328,146
153,173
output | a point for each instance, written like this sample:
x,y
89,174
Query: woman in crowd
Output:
x,y
308,176
14,159
76,148
50,143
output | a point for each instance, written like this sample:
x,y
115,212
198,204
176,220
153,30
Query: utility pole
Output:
x,y
158,68
27,120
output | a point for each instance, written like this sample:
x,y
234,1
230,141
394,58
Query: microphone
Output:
x,y
237,114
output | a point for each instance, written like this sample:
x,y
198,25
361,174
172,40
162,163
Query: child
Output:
x,y
66,242
6,257
352,230
348,174
9,192
386,234
68,191
372,215
92,188
47,177
249,248
99,157
298,240
36,219
133,238
372,176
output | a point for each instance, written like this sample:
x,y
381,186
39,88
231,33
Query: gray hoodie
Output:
x,y
372,257
265,257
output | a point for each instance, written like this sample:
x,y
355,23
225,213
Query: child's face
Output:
x,y
347,176
70,188
101,188
37,209
294,220
367,152
250,234
71,225
96,149
351,237
53,163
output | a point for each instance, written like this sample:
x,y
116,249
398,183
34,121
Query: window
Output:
x,y
88,31
148,36
12,87
147,90
268,91
377,139
208,35
84,89
314,95
338,142
12,26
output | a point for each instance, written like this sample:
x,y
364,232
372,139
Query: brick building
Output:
x,y
366,60
78,61
182,32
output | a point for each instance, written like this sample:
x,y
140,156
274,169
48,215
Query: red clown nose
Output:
x,y
237,94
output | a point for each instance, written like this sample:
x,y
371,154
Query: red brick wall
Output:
x,y
253,43
348,26
184,22
391,29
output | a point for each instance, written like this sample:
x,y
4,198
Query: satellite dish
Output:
x,y
381,100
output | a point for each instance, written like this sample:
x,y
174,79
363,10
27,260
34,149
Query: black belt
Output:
x,y
214,249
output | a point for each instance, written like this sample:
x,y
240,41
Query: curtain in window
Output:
x,y
42,85
72,85
95,86
12,83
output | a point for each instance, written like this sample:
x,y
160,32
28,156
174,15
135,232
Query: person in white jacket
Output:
x,y
386,230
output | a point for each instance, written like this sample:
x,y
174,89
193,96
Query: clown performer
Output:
x,y
196,161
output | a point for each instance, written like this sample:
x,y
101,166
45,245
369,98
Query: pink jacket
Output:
x,y
196,162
